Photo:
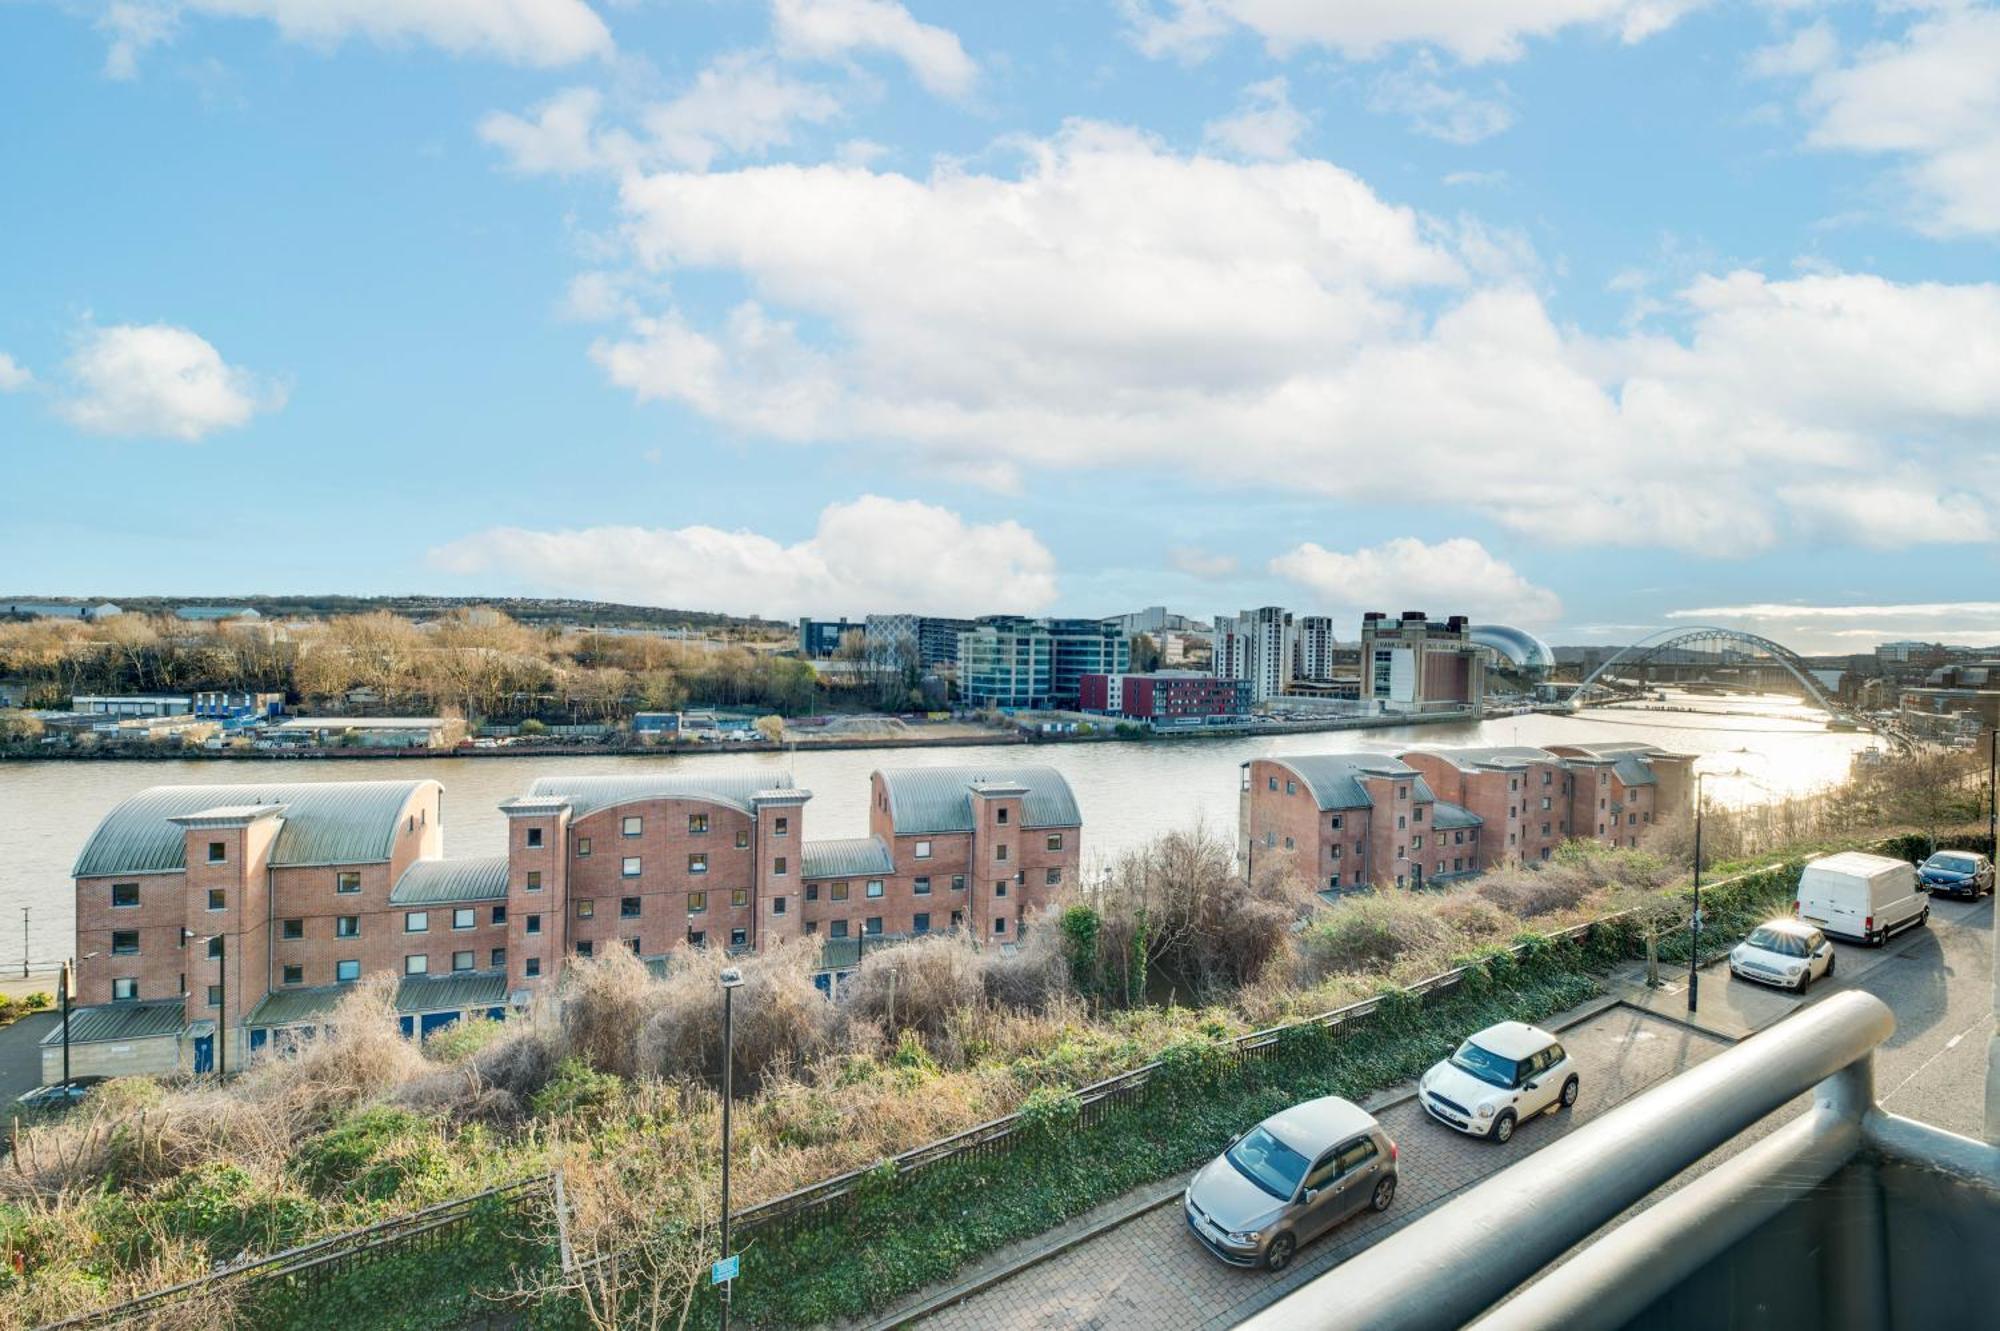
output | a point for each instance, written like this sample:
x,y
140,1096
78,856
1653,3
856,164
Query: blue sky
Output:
x,y
1592,315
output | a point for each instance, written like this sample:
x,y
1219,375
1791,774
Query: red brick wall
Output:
x,y
665,881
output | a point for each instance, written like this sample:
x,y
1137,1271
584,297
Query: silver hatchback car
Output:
x,y
1290,1179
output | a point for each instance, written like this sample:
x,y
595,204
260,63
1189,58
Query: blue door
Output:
x,y
408,1026
204,1053
259,1036
496,1013
437,1021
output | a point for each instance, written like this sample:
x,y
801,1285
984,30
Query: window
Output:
x,y
294,929
697,938
534,883
781,826
532,968
1545,829
633,943
1333,821
634,825
345,883
923,850
1291,787
534,838
1547,776
1355,1154
1457,863
874,888
499,915
697,902
920,923
957,918
778,867
218,852
1513,784
1000,853
697,864
1000,925
346,971
215,995
628,908
1000,816
295,974
777,905
697,824
125,943
1417,814
958,882
1052,878
497,958
534,924
465,917
630,868
1417,841
416,921
739,937
1458,837
739,898
1334,853
124,894
920,887
1402,792
1274,782
583,847
124,989
812,926
1545,804
416,963
840,891
812,891
1000,888
838,929
347,926
585,908
586,948
1402,852
1631,820
1288,843
1055,841
873,925
461,961
1333,880
743,838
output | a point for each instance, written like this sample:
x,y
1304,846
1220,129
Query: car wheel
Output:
x,y
1279,1255
1570,1089
1924,918
1385,1192
1831,961
1805,981
1503,1127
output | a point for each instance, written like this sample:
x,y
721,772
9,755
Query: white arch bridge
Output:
x,y
1699,654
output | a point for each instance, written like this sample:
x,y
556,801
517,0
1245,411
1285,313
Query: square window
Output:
x,y
215,995
874,888
633,825
920,887
697,938
534,838
628,908
920,923
630,869
1055,841
697,824
347,926
1334,822
777,905
585,908
873,926
345,883
1000,816
957,918
778,867
125,943
838,929
294,929
464,917
812,891
534,923
633,943
416,964
739,937
812,926
583,847
840,891
532,968
497,958
586,948
1052,878
697,902
346,971
499,915
416,921
124,894
218,852
697,864
781,826
743,838
958,882
124,989
461,961
295,974
923,850
1000,889
534,883
739,897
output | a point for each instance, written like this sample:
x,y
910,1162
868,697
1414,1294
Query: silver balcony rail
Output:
x,y
1459,1264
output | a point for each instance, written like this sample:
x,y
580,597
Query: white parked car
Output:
x,y
1497,1078
1783,952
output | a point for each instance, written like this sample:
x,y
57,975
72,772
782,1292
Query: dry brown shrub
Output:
x,y
782,1019
1473,917
1032,978
921,985
1525,892
1371,933
606,1002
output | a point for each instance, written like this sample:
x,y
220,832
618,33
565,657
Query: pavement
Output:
x,y
1133,1263
21,1055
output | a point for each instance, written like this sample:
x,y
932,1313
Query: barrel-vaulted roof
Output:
x,y
325,822
939,799
441,882
1632,762
846,857
1334,779
1506,757
589,794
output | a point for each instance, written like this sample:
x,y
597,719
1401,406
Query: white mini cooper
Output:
x,y
1789,953
1497,1078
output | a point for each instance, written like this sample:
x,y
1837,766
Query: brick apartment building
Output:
x,y
1164,696
300,890
1427,816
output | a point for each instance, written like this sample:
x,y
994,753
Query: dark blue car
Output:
x,y
1958,873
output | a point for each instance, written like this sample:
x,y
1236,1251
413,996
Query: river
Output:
x,y
1128,792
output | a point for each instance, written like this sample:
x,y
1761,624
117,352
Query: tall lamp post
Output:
x,y
1694,920
1993,793
731,978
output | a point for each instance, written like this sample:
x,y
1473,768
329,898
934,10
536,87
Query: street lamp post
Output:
x,y
1993,794
731,978
1694,920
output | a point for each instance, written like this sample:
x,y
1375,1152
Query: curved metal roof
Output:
x,y
846,857
1334,778
1507,756
939,799
1519,646
325,822
590,794
439,882
121,1021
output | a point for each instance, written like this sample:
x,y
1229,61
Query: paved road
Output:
x,y
1151,1273
21,1055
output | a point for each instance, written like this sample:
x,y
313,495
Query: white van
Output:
x,y
1862,897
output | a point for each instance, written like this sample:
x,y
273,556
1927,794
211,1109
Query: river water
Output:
x,y
1128,792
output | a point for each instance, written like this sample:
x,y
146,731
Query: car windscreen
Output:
x,y
1952,864
1268,1163
1781,941
1485,1064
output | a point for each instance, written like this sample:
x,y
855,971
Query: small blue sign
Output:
x,y
725,1270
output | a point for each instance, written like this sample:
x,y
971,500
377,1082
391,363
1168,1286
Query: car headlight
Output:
x,y
1486,1109
1245,1235
1794,971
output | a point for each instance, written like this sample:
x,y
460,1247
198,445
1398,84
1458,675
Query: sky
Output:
x,y
1589,316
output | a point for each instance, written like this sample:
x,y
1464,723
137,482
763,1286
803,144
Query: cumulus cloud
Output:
x,y
1929,100
14,376
872,554
522,32
836,29
160,381
1458,576
1110,303
1472,30
1265,126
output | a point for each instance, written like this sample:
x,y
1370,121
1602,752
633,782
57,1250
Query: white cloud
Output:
x,y
1199,563
522,32
1111,304
1472,30
1930,100
133,26
835,29
1266,126
1433,108
1459,575
872,554
739,105
1807,51
14,376
1460,178
159,380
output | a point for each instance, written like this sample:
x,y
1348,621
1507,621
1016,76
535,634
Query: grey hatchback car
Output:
x,y
1290,1179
